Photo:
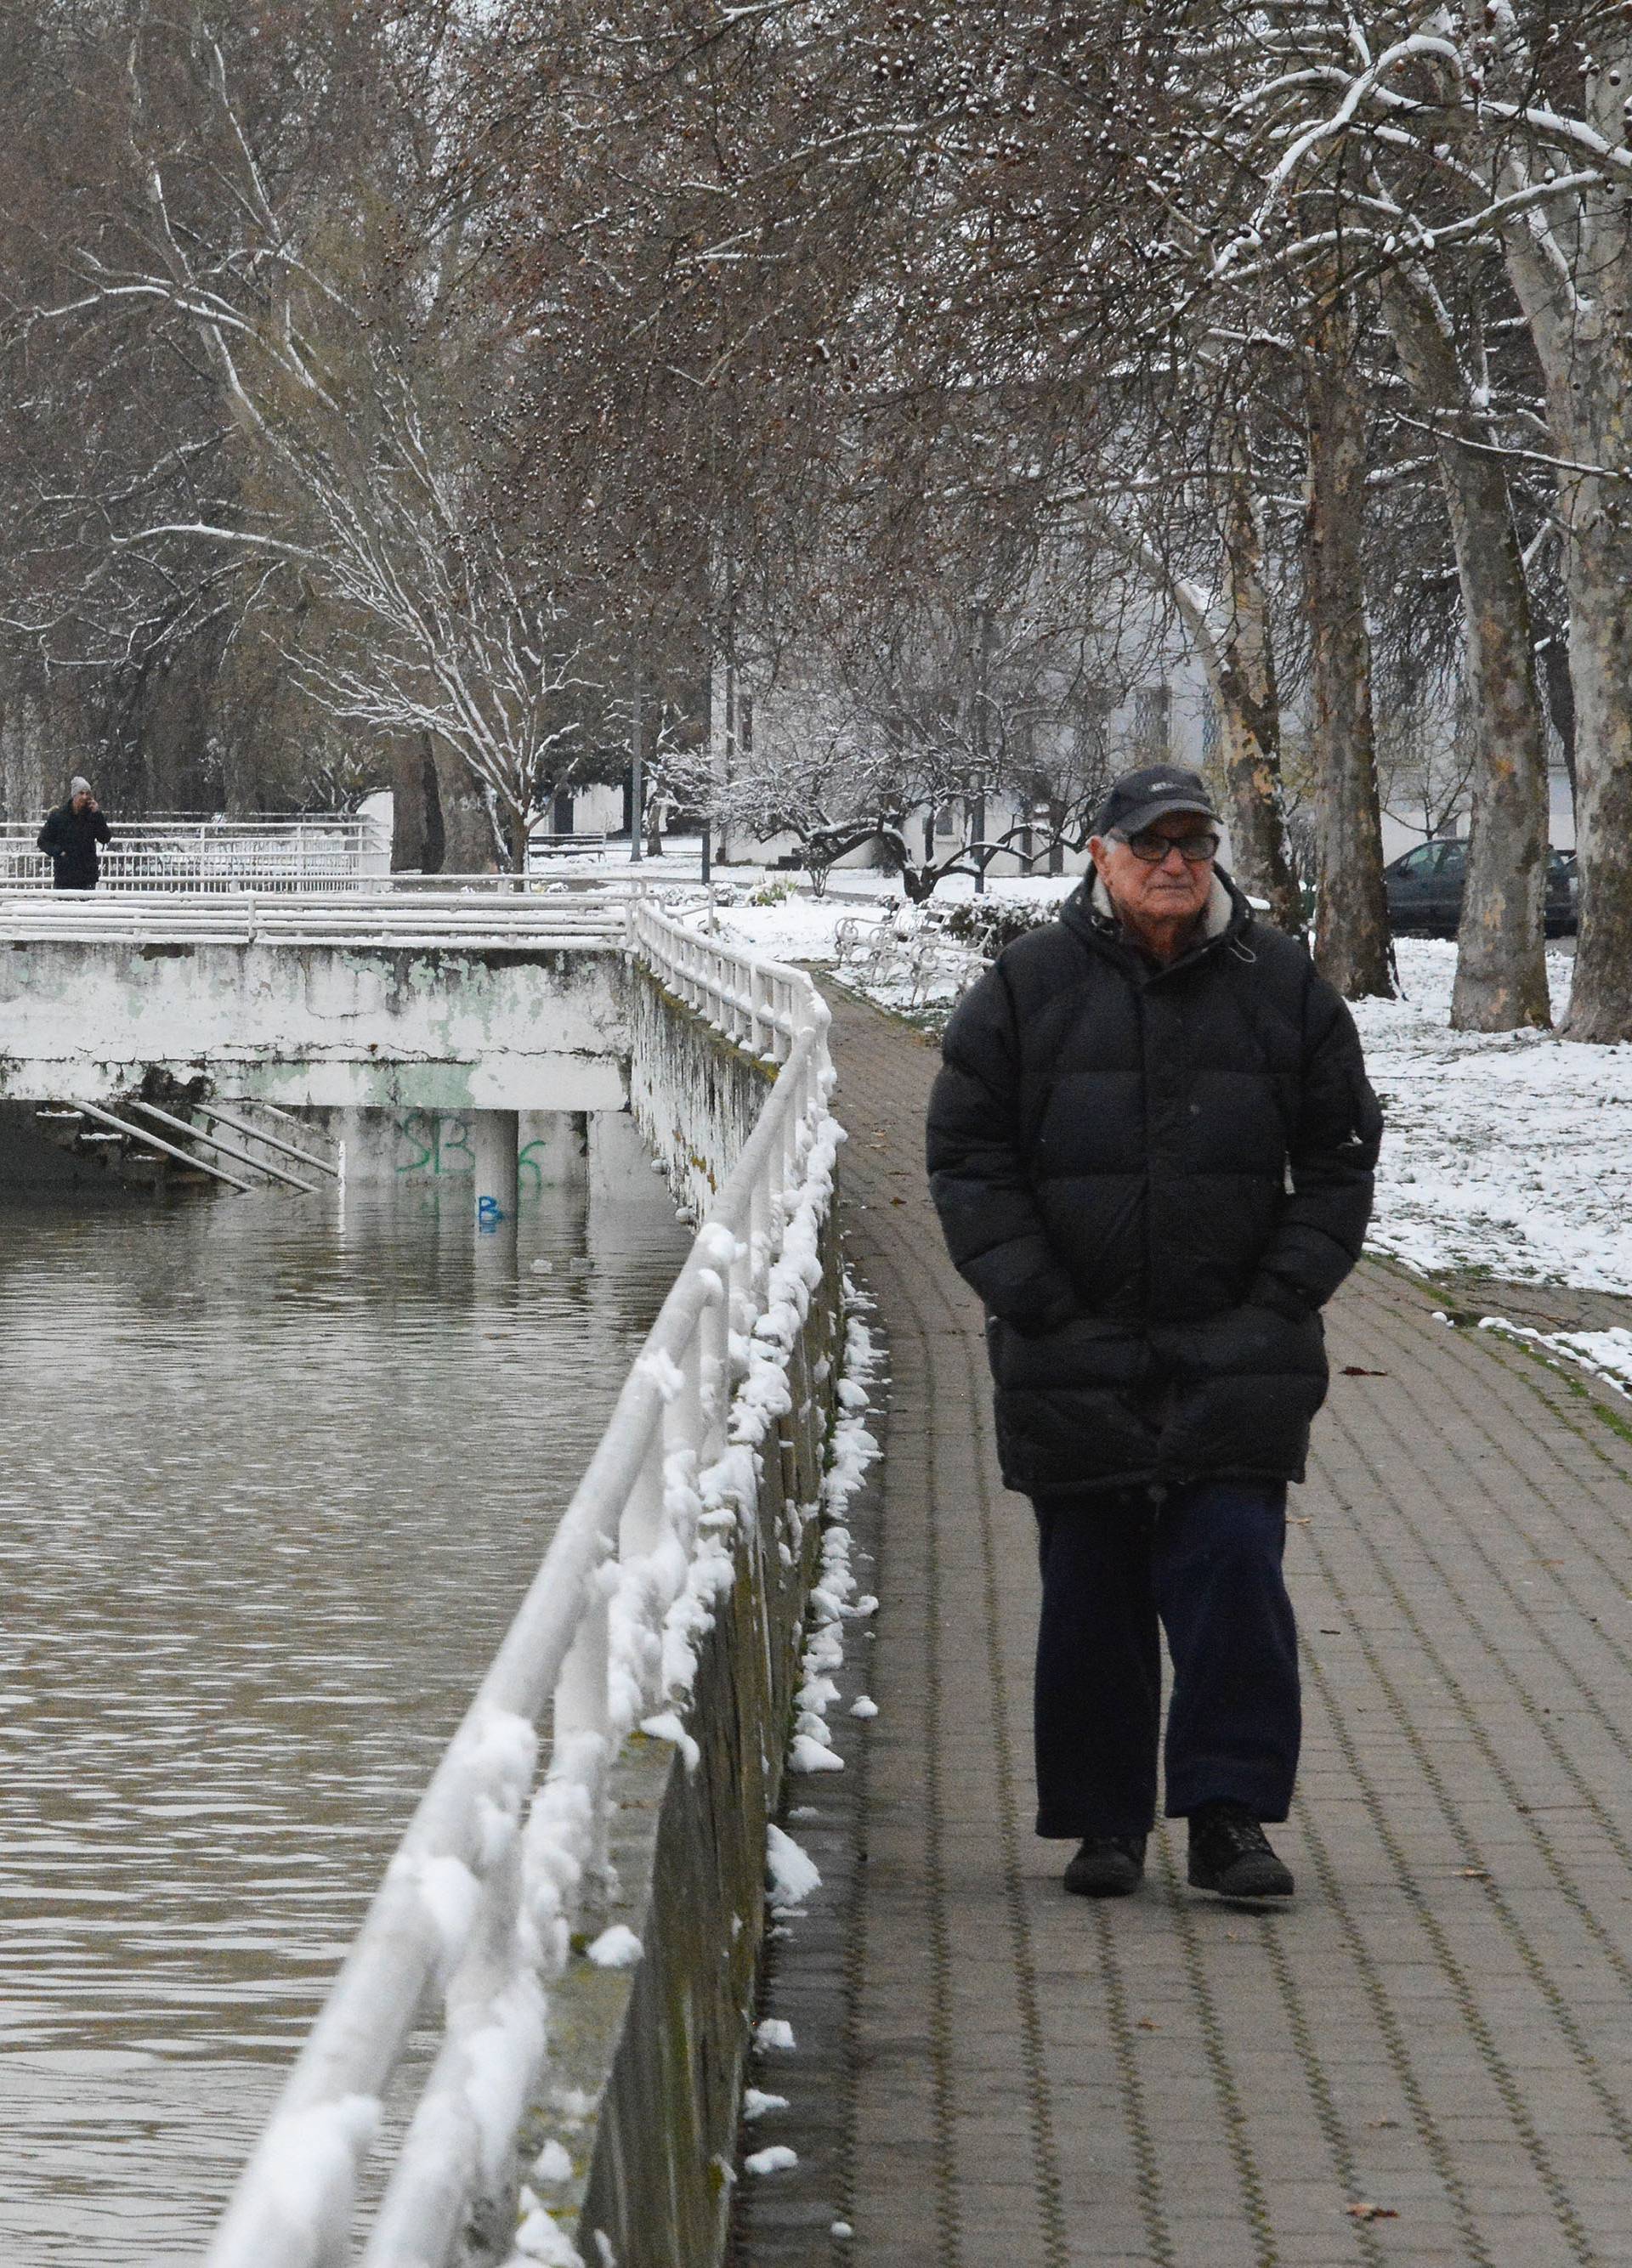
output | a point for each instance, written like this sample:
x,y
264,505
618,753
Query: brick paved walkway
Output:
x,y
992,2075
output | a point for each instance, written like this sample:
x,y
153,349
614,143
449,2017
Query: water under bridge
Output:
x,y
534,2050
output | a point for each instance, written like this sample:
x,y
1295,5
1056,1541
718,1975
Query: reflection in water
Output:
x,y
274,1472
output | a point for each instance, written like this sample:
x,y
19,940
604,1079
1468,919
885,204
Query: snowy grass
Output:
x,y
1508,1155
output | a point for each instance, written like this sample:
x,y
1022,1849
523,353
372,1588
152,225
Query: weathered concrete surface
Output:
x,y
1427,2057
450,1028
696,1106
553,1146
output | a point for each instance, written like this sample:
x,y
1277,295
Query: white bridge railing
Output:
x,y
376,916
476,1910
333,850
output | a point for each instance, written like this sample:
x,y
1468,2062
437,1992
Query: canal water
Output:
x,y
274,1471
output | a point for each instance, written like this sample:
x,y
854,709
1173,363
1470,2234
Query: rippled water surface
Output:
x,y
274,1473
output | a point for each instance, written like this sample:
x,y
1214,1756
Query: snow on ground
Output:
x,y
797,927
1506,1154
1509,1154
792,929
1609,1354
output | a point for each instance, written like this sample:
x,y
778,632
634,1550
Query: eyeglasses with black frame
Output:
x,y
1195,849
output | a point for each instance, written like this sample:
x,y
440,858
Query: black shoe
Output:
x,y
1230,1852
1107,1867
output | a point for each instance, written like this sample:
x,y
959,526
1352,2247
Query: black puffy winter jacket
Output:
x,y
68,839
1154,1177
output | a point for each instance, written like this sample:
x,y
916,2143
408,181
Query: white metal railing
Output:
x,y
477,1906
758,1002
577,921
340,850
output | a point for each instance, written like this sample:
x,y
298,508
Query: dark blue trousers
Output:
x,y
1204,1563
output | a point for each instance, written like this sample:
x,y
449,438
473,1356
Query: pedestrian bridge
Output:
x,y
439,1001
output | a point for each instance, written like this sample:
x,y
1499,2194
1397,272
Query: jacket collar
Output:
x,y
1225,917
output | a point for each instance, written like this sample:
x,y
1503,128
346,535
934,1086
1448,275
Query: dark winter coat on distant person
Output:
x,y
68,839
1154,1176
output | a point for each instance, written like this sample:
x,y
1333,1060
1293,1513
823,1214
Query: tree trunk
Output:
x,y
1589,374
1576,303
413,790
1244,686
1600,671
1501,980
466,836
1351,922
22,771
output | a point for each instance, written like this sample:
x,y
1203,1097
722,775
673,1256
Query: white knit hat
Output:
x,y
79,784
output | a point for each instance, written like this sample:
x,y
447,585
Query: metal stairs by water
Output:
x,y
143,1144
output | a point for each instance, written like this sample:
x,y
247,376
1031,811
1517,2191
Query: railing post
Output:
x,y
640,1530
582,1712
792,1152
715,1381
685,1419
640,1527
759,1214
743,1301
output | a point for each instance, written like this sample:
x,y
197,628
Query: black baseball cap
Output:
x,y
1138,797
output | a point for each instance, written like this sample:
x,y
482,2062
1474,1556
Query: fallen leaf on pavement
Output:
x,y
1372,2213
1354,1370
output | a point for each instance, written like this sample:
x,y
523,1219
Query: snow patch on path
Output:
x,y
1608,1354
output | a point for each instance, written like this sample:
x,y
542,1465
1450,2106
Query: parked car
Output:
x,y
1425,890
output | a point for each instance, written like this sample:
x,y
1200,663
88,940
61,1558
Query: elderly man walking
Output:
x,y
1151,1147
70,836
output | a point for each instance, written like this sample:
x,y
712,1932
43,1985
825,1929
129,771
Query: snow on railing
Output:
x,y
337,851
477,1907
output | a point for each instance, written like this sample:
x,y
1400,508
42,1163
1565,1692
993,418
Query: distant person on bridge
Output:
x,y
70,836
1151,1146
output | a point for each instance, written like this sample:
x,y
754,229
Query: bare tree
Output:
x,y
352,403
1515,131
1501,980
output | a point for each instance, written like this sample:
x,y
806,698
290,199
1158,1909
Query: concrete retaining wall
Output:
x,y
437,1028
646,2065
696,1100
